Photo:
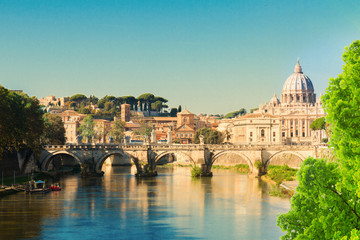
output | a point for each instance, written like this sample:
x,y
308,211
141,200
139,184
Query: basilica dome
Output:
x,y
298,88
298,81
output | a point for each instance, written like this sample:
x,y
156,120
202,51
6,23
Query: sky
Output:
x,y
208,56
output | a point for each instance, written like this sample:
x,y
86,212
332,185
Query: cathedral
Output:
x,y
282,122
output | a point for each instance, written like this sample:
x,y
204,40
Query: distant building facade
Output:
x,y
282,122
51,100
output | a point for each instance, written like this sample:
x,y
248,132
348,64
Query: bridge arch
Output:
x,y
242,155
289,153
50,156
175,152
102,159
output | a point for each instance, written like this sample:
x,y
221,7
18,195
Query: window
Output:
x,y
303,134
283,134
274,134
251,134
177,135
250,121
297,132
190,134
186,135
262,133
283,122
181,135
273,121
292,134
273,139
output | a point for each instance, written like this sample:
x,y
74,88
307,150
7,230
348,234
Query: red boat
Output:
x,y
55,187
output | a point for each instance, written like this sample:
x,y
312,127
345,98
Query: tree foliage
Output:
x,y
54,131
21,123
240,112
117,130
326,203
318,124
87,128
211,136
144,129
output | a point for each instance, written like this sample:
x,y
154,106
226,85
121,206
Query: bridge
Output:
x,y
91,157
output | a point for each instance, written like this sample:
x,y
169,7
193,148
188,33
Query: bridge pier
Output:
x,y
88,169
149,169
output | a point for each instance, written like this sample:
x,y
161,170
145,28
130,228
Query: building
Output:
x,y
71,120
282,122
51,100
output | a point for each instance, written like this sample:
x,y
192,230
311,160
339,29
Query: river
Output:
x,y
230,205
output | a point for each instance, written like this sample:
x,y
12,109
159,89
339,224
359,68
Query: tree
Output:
x,y
105,99
54,131
318,124
93,99
86,128
148,99
253,110
117,130
144,129
78,98
21,123
319,209
130,100
173,112
179,108
211,136
240,112
325,205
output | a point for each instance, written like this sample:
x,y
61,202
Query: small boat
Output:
x,y
37,187
55,187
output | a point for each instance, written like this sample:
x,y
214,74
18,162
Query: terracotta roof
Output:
x,y
185,111
172,119
71,113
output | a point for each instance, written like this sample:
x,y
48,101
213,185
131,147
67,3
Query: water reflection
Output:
x,y
170,206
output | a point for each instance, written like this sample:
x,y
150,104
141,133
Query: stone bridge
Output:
x,y
206,156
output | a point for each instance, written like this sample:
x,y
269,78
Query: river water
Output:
x,y
229,205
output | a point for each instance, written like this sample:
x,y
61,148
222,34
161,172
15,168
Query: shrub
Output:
x,y
195,171
258,165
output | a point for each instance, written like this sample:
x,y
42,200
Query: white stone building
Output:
x,y
283,122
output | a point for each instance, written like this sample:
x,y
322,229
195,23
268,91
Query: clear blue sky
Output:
x,y
210,56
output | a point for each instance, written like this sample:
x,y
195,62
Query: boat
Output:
x,y
37,187
55,187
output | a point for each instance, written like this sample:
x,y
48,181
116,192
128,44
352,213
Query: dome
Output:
x,y
274,100
298,81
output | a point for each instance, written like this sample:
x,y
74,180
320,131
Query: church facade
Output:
x,y
286,121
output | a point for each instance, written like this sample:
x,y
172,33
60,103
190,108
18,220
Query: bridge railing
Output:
x,y
175,147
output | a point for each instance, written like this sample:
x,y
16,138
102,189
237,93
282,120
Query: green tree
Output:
x,y
325,205
54,131
173,112
318,124
240,112
179,109
93,99
211,136
319,208
21,123
78,98
253,110
117,130
130,100
147,99
144,129
86,128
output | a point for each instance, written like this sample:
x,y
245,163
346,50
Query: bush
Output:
x,y
195,171
258,165
281,173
